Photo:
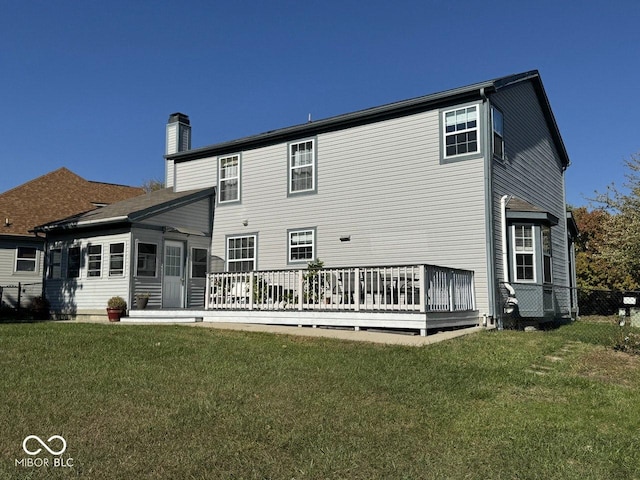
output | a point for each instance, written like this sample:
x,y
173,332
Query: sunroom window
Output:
x,y
94,268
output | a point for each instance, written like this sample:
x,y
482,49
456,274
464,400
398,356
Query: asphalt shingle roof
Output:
x,y
55,195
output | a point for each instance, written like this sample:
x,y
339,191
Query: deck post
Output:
x,y
450,278
422,288
207,292
300,287
356,289
251,279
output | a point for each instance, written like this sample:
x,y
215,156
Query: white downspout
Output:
x,y
505,250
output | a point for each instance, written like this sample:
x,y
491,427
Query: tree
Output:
x,y
152,185
621,246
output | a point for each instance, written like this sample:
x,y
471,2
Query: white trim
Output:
x,y
89,255
255,250
465,130
228,179
124,249
290,246
517,252
311,164
26,259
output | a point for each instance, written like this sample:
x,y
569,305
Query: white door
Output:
x,y
173,283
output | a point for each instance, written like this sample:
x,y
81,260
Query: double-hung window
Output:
x,y
26,259
302,167
147,254
116,260
524,253
229,179
498,133
94,264
461,136
302,245
241,253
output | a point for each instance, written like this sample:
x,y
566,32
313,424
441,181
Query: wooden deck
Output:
x,y
414,297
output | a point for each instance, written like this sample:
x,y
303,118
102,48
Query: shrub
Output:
x,y
117,302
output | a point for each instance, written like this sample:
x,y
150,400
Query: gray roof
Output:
x,y
130,210
518,209
388,111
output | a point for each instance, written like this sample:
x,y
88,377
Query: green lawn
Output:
x,y
177,402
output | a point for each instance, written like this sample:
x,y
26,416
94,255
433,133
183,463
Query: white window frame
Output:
x,y
93,258
291,247
497,128
466,130
228,179
155,275
31,260
253,259
524,251
116,272
311,164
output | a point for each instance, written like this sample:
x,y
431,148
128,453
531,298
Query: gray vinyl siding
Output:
x,y
195,216
75,295
532,172
383,185
195,174
30,281
169,173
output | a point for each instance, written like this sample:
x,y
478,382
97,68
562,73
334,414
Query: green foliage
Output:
x,y
117,302
619,239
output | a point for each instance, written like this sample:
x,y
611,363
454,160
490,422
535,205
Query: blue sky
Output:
x,y
89,85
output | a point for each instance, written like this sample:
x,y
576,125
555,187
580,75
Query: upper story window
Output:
x,y
302,245
302,167
241,253
524,253
147,255
461,135
94,264
229,179
26,259
498,132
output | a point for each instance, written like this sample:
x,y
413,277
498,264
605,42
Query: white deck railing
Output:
x,y
408,288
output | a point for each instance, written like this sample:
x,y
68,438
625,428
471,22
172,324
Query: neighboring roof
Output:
x,y
384,112
130,210
57,194
518,209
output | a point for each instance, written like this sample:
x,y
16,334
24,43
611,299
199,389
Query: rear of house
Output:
x,y
466,184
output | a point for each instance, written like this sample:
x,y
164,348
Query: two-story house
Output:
x,y
471,179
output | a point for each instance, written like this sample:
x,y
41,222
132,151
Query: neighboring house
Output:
x,y
470,179
57,194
